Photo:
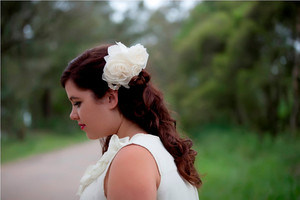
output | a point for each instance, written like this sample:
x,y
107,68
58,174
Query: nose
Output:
x,y
74,115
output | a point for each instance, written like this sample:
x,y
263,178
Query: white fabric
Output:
x,y
172,186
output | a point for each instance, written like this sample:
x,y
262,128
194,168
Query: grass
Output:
x,y
241,165
37,142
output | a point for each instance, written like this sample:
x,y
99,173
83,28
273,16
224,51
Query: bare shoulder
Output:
x,y
133,174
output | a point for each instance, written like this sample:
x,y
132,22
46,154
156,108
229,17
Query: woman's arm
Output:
x,y
133,175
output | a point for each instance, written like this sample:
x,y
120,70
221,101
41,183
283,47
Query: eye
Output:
x,y
77,104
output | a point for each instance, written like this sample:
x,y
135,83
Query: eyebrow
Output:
x,y
73,98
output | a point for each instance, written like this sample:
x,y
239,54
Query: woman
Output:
x,y
114,100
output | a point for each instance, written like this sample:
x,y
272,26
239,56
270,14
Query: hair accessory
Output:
x,y
123,63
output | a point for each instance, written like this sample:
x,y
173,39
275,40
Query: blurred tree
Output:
x,y
235,58
236,63
160,33
296,76
38,39
13,84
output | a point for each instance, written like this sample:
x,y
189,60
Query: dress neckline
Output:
x,y
115,144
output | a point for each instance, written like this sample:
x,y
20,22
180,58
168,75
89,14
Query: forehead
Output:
x,y
73,90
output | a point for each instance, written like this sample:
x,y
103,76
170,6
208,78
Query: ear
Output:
x,y
112,100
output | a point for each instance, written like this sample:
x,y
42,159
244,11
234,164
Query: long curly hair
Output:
x,y
142,103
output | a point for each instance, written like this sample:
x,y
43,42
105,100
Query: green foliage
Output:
x,y
227,61
38,40
238,164
236,64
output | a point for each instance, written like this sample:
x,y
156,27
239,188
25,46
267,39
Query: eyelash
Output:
x,y
77,104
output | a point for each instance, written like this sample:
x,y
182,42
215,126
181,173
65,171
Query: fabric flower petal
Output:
x,y
94,171
123,63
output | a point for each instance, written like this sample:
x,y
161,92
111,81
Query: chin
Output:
x,y
92,137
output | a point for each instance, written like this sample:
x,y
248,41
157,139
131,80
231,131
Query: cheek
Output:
x,y
85,113
98,116
107,121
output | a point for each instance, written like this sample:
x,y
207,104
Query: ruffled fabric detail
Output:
x,y
94,171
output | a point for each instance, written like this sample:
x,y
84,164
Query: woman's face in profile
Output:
x,y
94,116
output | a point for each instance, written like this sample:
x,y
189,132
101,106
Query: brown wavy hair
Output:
x,y
142,103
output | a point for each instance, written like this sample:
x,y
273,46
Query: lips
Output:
x,y
82,126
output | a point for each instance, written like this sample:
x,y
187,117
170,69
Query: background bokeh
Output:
x,y
229,70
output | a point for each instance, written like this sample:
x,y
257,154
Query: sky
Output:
x,y
121,7
151,4
154,4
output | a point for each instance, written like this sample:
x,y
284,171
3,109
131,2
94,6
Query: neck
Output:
x,y
128,128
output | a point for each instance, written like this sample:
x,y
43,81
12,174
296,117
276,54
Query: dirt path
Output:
x,y
50,176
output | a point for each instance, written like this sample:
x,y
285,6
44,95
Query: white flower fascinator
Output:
x,y
123,63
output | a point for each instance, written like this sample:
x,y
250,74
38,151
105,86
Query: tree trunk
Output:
x,y
46,103
296,80
272,101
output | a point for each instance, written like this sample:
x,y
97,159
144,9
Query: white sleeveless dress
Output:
x,y
172,185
